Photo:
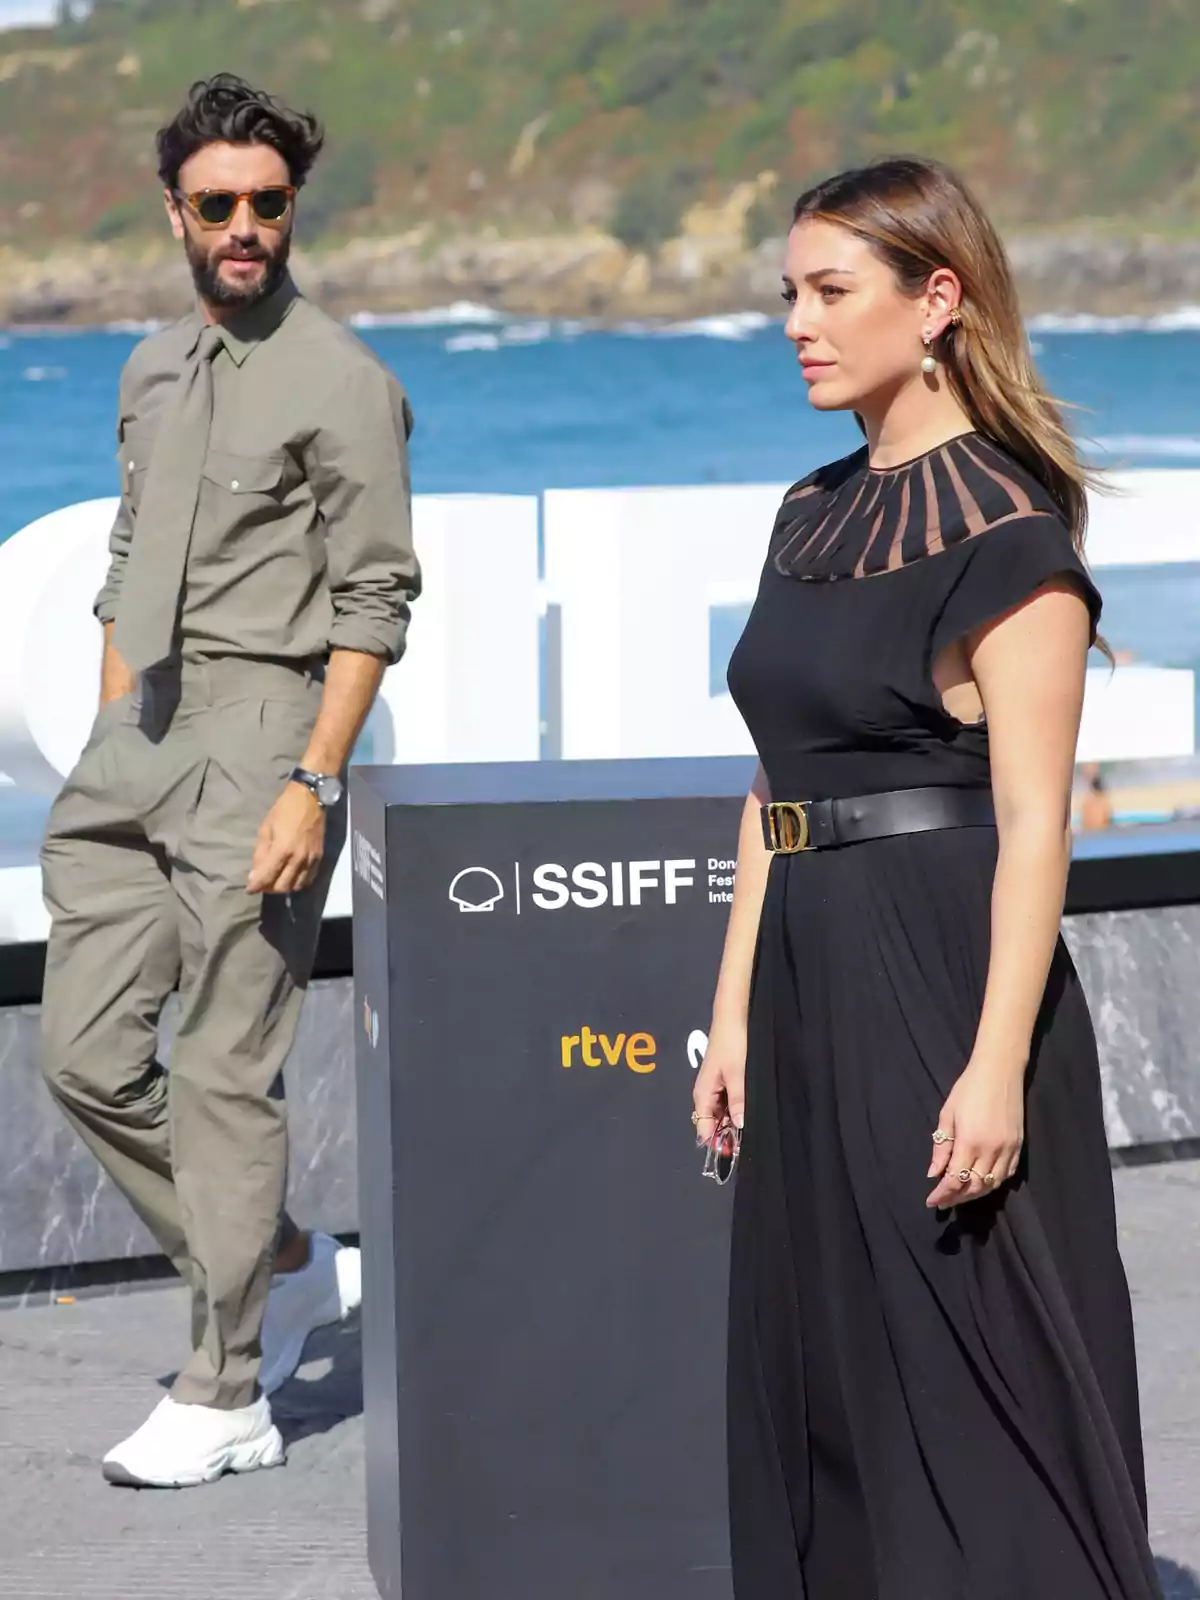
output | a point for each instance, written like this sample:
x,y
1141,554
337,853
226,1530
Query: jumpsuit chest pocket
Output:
x,y
245,475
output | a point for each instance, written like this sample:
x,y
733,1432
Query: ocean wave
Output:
x,y
1171,445
528,332
1184,319
43,374
462,313
45,330
472,341
730,325
139,327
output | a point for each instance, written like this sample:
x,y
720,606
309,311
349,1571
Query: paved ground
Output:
x,y
75,1378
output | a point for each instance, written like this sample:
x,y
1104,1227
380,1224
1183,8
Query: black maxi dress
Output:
x,y
922,1405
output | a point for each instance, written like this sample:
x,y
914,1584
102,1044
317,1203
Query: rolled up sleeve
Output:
x,y
121,537
358,471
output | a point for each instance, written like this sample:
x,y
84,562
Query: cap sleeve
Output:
x,y
1003,566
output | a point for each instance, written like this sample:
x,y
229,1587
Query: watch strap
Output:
x,y
312,781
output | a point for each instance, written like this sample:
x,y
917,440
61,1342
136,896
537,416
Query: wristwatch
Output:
x,y
327,789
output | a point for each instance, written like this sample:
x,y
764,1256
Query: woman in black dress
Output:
x,y
932,1388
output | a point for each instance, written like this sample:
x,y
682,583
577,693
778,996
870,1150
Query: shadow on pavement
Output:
x,y
1178,1583
327,1388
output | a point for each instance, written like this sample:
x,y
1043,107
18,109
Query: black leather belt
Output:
x,y
790,826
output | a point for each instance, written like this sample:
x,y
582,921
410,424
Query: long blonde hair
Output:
x,y
917,215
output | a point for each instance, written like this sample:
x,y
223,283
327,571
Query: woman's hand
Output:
x,y
984,1116
720,1086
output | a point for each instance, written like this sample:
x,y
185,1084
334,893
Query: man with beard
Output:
x,y
261,573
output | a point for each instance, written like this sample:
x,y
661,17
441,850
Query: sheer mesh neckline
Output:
x,y
913,461
851,521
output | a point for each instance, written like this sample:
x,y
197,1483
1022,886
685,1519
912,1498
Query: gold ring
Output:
x,y
695,1119
942,1137
965,1175
979,1174
989,1178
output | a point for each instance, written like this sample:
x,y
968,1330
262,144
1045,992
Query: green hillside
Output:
x,y
546,114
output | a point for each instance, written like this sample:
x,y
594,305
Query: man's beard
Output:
x,y
212,287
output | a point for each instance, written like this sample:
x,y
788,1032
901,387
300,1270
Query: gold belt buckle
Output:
x,y
787,827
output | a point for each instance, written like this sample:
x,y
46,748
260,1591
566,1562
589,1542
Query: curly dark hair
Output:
x,y
226,109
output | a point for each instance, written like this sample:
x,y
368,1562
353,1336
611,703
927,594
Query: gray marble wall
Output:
x,y
58,1208
1141,970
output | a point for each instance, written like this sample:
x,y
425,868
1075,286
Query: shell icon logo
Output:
x,y
476,889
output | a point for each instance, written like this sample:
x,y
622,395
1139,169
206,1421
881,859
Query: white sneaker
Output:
x,y
327,1290
179,1445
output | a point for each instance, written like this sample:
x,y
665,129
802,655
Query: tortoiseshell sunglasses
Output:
x,y
214,208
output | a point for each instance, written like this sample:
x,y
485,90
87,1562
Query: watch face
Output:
x,y
329,791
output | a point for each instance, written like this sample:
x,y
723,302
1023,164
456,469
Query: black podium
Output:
x,y
535,948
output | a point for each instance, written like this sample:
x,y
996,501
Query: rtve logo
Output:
x,y
587,885
636,1050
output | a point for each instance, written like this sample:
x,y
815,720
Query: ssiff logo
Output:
x,y
586,885
476,889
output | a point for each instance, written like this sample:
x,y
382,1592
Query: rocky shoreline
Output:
x,y
586,274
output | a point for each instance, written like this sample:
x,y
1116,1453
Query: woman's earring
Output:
x,y
929,361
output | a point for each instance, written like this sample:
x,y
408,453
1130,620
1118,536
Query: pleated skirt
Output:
x,y
922,1405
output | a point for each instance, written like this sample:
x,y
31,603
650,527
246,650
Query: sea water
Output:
x,y
517,405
